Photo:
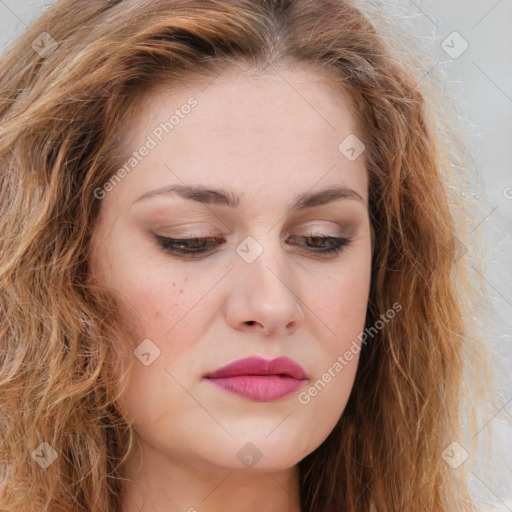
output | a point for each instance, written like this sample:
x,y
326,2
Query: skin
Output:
x,y
248,134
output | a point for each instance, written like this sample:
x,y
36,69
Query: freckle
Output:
x,y
174,284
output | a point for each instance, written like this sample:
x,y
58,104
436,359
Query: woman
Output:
x,y
227,265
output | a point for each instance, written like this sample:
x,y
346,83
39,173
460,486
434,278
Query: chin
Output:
x,y
260,454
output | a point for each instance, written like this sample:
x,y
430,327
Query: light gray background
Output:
x,y
482,78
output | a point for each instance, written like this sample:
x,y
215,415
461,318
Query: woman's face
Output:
x,y
265,286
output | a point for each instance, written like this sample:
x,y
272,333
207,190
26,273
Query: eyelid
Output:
x,y
200,233
341,227
311,227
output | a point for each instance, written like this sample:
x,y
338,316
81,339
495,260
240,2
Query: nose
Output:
x,y
265,296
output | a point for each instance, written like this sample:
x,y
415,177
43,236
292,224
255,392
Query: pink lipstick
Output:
x,y
260,379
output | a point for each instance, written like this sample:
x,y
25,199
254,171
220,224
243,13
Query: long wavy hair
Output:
x,y
67,85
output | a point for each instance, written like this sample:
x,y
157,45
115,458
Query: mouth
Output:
x,y
260,379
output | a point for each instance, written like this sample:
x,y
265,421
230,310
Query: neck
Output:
x,y
164,484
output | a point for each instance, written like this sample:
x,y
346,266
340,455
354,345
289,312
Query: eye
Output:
x,y
187,246
190,247
318,242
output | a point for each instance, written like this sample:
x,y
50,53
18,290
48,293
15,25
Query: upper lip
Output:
x,y
260,366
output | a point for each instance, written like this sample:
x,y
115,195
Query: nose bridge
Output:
x,y
264,260
269,268
265,284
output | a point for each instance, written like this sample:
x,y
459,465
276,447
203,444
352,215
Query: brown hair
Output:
x,y
62,109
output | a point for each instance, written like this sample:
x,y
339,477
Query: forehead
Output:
x,y
247,130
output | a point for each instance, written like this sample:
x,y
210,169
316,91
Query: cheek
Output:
x,y
173,308
153,296
157,303
343,306
341,303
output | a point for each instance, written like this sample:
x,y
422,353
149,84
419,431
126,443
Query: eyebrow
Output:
x,y
221,197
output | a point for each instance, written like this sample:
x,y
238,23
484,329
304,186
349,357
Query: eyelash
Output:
x,y
169,245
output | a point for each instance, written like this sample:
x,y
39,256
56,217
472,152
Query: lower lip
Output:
x,y
258,387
